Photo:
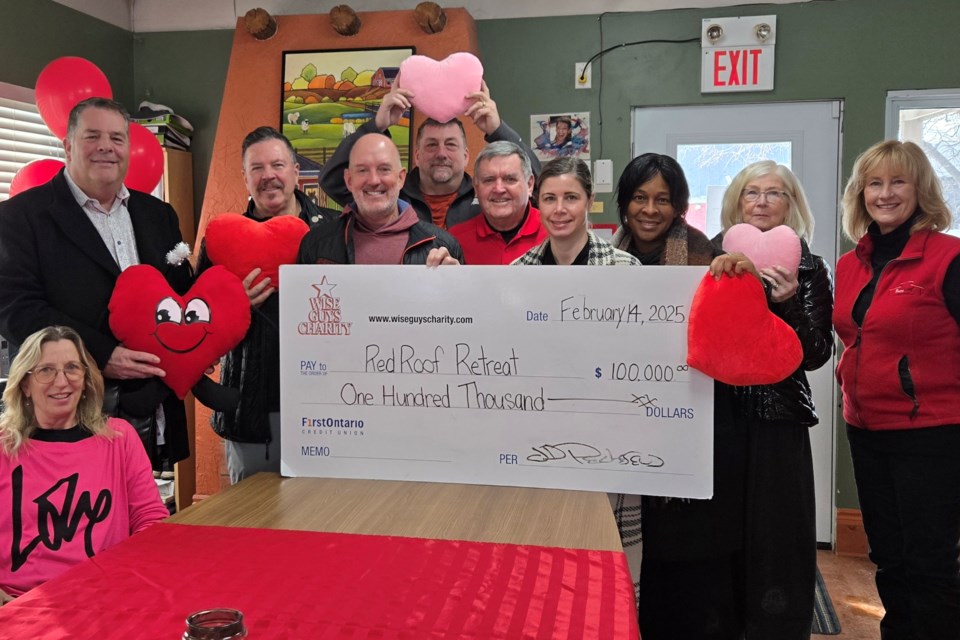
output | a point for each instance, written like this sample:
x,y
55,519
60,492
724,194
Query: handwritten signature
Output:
x,y
589,454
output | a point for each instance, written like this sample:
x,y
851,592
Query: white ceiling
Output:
x,y
190,15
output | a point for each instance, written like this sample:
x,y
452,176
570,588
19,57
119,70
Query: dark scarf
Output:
x,y
682,245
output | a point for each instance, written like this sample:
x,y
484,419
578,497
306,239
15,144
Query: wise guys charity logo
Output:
x,y
324,318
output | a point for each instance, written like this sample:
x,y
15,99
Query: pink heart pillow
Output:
x,y
778,246
733,337
440,88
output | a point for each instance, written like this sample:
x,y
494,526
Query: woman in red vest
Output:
x,y
897,312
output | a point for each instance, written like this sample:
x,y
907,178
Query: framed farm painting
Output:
x,y
327,95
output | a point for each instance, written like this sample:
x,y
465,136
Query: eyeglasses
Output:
x,y
773,197
73,371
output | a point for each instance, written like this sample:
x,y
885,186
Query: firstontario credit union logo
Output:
x,y
325,317
327,426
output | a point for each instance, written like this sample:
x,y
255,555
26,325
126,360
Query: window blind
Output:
x,y
23,135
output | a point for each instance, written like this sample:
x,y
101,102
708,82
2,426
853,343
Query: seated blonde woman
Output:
x,y
73,481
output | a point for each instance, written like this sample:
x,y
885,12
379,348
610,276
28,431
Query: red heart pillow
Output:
x,y
188,333
242,245
440,88
733,337
778,246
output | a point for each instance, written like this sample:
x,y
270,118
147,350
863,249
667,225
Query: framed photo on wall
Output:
x,y
560,135
327,95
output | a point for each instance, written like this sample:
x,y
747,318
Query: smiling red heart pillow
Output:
x,y
242,245
733,337
188,333
440,88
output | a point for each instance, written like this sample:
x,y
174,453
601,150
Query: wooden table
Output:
x,y
478,513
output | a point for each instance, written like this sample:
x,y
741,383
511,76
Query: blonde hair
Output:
x,y
18,420
798,216
902,158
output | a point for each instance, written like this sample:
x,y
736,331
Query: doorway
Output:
x,y
713,143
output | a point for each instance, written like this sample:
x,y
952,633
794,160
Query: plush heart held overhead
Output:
x,y
440,88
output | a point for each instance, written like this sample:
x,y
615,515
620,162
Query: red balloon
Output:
x,y
62,84
146,160
33,174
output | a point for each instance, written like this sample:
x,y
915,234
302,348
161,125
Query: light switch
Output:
x,y
603,176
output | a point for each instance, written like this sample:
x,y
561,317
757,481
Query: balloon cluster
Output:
x,y
60,86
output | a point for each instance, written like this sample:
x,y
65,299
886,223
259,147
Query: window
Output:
x,y
931,119
710,167
23,135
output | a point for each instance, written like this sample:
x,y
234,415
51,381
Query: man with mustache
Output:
x,y
62,247
251,431
270,173
438,188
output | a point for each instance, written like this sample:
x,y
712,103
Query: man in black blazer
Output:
x,y
62,247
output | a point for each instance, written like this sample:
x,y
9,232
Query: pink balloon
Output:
x,y
62,84
146,160
33,174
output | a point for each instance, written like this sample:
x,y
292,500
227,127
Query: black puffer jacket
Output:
x,y
333,243
253,366
809,313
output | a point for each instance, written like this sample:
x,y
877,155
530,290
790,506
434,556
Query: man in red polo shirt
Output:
x,y
510,225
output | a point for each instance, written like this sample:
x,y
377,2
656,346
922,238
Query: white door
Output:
x,y
712,143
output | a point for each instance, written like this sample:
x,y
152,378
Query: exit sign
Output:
x,y
738,54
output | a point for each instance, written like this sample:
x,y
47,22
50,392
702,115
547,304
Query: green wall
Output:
x,y
34,32
186,70
854,50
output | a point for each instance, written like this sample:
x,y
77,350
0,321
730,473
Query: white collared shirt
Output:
x,y
116,230
114,226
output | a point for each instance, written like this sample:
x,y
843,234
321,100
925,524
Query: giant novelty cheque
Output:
x,y
541,377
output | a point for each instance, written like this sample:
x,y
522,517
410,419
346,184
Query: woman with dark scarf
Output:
x,y
686,585
898,315
652,197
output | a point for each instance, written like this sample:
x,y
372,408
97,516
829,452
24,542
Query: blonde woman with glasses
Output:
x,y
72,481
778,561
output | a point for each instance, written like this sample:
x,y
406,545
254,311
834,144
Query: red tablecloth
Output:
x,y
305,586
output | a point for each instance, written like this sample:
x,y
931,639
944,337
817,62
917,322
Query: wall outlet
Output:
x,y
581,79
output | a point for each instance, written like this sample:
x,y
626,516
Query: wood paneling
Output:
x,y
851,537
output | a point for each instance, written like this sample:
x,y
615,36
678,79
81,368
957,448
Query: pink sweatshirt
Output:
x,y
63,502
